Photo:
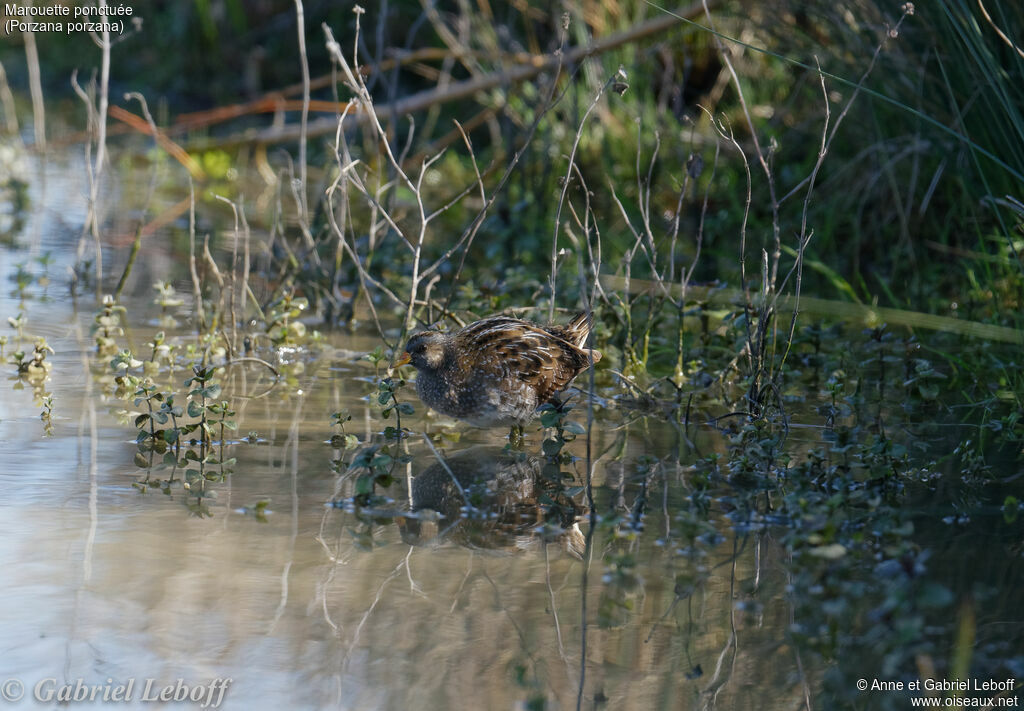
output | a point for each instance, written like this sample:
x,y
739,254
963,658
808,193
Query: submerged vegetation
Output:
x,y
802,248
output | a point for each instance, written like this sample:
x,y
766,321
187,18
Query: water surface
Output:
x,y
683,598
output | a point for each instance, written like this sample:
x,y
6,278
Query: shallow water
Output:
x,y
313,604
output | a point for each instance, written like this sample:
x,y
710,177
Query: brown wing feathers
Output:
x,y
547,358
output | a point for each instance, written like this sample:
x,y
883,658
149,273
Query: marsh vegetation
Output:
x,y
797,465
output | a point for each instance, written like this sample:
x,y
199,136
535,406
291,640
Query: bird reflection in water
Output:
x,y
492,498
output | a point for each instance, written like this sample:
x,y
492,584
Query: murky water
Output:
x,y
116,574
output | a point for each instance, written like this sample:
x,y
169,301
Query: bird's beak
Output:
x,y
403,359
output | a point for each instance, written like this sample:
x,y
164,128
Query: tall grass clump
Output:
x,y
921,200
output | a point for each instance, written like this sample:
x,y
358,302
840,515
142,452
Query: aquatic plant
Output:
x,y
283,325
167,299
342,439
726,424
107,326
36,367
18,324
47,414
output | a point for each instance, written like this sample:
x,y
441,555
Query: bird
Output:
x,y
499,370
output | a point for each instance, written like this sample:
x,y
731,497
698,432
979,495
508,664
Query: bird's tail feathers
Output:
x,y
578,329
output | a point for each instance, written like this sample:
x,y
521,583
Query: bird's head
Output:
x,y
425,351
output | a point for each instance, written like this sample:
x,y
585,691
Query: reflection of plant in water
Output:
x,y
161,353
860,583
37,367
373,467
220,412
47,414
562,430
857,580
622,529
22,279
107,326
18,324
167,298
258,510
24,276
32,369
35,371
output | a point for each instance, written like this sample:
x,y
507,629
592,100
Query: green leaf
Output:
x,y
550,418
935,595
1011,507
382,462
364,485
832,551
574,427
551,447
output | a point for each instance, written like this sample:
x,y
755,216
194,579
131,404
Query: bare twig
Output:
x,y
7,101
471,87
197,294
1002,35
565,189
140,231
304,121
35,87
232,308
